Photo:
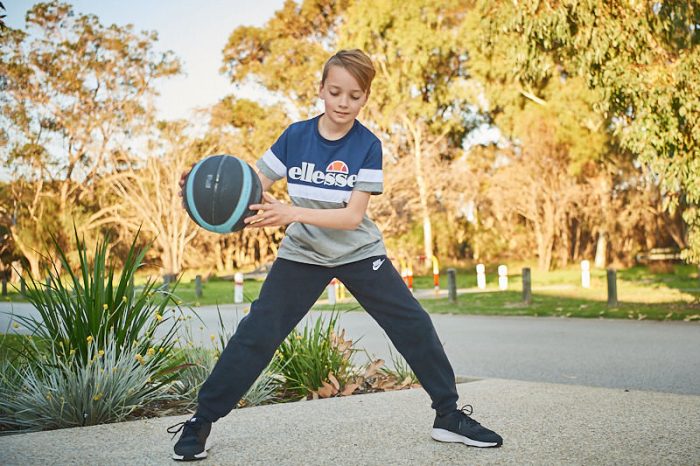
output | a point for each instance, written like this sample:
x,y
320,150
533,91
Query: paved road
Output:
x,y
642,355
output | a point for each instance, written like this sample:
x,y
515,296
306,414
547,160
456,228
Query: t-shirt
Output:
x,y
321,174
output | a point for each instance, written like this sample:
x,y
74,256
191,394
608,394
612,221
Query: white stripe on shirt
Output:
x,y
274,163
370,176
318,194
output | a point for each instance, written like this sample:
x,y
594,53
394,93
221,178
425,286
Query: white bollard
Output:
x,y
331,291
238,288
480,276
503,277
585,274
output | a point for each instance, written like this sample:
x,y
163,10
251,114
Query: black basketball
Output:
x,y
219,190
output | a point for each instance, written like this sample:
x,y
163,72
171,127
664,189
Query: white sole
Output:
x,y
198,456
443,435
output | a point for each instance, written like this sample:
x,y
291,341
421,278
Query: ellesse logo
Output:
x,y
336,174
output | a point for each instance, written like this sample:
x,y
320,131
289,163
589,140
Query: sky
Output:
x,y
196,31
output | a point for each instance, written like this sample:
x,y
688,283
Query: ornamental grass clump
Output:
x,y
199,362
64,391
91,306
315,358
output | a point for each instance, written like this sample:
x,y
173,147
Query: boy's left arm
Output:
x,y
275,213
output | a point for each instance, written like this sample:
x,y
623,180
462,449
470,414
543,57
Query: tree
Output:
x,y
149,198
418,101
75,96
286,55
641,57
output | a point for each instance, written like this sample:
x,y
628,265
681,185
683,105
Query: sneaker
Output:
x,y
457,426
192,444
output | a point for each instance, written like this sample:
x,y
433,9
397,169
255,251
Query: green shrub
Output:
x,y
64,391
90,306
401,371
199,362
306,358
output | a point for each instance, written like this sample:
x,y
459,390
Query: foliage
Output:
x,y
423,106
642,60
199,362
75,94
91,306
286,55
310,359
401,371
63,390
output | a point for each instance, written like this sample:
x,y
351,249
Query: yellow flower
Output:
x,y
159,317
98,396
140,359
124,298
89,339
213,337
298,337
105,307
15,325
161,350
151,352
101,353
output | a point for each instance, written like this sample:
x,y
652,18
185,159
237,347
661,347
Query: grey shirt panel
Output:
x,y
369,187
267,171
330,247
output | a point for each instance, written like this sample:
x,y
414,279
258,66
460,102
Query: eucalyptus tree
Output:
x,y
285,56
641,57
75,95
421,101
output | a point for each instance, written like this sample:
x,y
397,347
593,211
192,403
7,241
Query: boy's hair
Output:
x,y
357,63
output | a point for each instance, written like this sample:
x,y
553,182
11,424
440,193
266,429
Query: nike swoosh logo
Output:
x,y
377,264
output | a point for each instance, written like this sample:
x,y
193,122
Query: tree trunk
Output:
x,y
600,251
423,197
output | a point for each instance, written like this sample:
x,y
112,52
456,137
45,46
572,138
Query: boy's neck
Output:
x,y
330,130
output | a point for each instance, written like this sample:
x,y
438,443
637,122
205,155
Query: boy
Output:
x,y
332,164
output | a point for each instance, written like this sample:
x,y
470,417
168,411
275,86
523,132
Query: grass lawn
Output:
x,y
642,293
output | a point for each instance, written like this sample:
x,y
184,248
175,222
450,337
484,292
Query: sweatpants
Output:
x,y
289,291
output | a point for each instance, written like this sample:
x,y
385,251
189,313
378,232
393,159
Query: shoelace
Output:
x,y
466,411
175,429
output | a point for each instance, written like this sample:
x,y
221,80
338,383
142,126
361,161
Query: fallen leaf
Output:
x,y
334,381
374,367
349,389
326,391
406,382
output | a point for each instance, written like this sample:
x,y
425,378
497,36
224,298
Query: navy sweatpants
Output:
x,y
289,291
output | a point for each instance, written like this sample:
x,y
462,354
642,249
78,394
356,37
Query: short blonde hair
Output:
x,y
357,63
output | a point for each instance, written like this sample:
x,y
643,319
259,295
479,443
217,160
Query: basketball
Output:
x,y
218,191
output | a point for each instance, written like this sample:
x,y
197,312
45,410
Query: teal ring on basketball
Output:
x,y
228,180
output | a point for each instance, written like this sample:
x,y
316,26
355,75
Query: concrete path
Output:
x,y
542,424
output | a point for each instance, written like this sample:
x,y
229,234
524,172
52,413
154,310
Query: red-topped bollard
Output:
x,y
436,275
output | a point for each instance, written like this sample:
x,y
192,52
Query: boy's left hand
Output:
x,y
272,213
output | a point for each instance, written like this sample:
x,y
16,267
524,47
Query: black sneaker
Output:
x,y
459,427
192,444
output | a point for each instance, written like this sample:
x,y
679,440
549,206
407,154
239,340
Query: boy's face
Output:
x,y
342,95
